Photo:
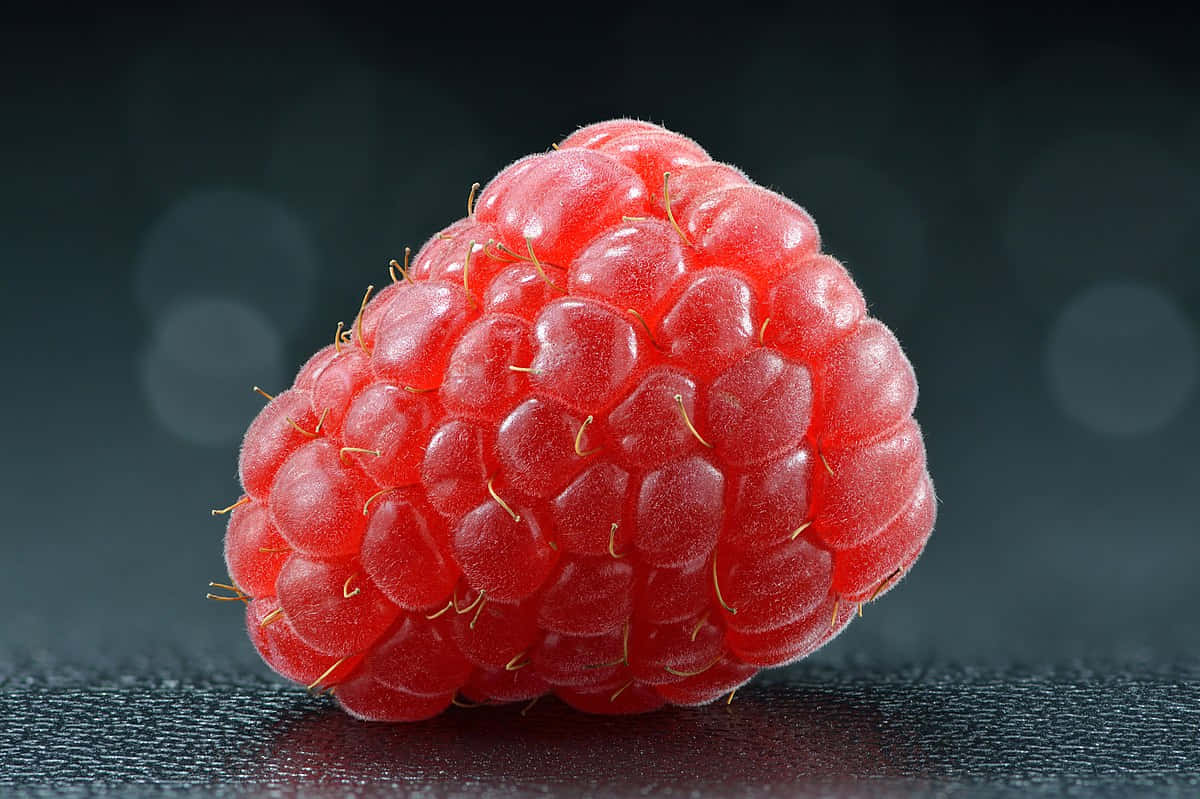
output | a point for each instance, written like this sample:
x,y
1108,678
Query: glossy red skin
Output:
x,y
586,447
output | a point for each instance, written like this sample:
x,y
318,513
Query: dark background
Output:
x,y
190,201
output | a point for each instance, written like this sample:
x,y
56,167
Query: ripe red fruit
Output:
x,y
615,435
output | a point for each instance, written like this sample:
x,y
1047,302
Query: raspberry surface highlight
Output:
x,y
623,434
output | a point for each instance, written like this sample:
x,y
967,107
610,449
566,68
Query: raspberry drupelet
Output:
x,y
622,434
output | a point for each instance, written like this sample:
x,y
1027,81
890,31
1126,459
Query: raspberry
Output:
x,y
622,434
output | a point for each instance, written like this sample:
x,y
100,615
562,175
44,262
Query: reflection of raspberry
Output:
x,y
621,434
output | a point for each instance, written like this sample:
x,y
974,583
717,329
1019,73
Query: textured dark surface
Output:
x,y
857,730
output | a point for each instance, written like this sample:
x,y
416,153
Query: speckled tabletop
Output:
x,y
858,730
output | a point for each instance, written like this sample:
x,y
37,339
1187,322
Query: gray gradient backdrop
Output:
x,y
189,204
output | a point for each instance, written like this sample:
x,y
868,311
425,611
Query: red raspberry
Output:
x,y
622,434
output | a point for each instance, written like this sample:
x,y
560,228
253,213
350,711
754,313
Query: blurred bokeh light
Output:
x,y
228,243
203,356
1121,358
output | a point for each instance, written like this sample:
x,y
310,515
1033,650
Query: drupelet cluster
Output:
x,y
622,434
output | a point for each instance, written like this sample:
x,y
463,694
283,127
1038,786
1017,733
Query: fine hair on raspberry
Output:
x,y
623,434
